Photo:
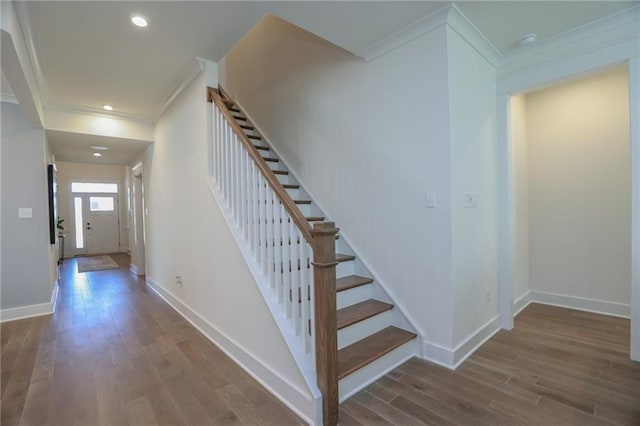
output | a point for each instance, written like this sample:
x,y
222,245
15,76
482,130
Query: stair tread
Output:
x,y
291,186
247,127
239,117
264,148
344,257
361,311
280,172
367,350
254,137
345,283
270,159
302,201
315,218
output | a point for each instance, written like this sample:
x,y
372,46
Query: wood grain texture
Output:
x,y
556,367
352,281
361,311
115,353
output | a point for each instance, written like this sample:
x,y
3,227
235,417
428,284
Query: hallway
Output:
x,y
115,353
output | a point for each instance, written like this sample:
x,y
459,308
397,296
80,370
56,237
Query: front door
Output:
x,y
96,223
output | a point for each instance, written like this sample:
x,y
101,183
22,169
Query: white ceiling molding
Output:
x,y
405,35
621,29
196,67
98,112
32,44
459,22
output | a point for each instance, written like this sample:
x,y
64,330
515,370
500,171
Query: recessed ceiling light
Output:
x,y
97,154
528,39
107,107
99,147
139,21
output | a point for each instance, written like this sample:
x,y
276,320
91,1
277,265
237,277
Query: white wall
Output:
x,y
472,109
521,147
579,188
81,172
187,235
28,276
367,140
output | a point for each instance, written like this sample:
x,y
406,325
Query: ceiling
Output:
x,y
90,54
76,148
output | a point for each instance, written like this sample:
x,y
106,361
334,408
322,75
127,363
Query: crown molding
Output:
x,y
619,29
196,67
32,43
459,23
96,112
405,35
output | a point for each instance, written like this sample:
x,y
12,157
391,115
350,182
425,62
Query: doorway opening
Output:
x,y
569,197
96,219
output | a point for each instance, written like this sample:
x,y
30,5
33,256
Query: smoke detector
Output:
x,y
528,39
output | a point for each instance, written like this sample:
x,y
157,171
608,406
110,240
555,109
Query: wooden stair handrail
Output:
x,y
270,177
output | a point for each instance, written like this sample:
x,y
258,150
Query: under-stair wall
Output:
x,y
187,236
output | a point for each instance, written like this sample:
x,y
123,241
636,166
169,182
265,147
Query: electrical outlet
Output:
x,y
179,280
471,200
430,200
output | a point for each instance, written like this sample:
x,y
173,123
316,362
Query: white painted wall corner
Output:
x,y
22,312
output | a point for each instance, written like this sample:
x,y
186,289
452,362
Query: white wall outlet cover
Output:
x,y
430,200
470,200
25,213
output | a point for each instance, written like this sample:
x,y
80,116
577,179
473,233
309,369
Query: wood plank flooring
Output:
x,y
556,367
116,354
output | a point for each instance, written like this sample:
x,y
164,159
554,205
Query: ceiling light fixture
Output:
x,y
99,147
107,107
97,154
528,39
139,21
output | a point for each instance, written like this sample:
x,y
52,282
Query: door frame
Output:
x,y
138,220
71,246
531,80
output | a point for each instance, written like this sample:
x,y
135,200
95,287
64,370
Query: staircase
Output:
x,y
368,334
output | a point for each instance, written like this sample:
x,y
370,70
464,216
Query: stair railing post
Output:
x,y
326,326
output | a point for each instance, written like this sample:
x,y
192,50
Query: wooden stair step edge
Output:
x,y
254,137
369,349
239,117
352,281
302,201
264,148
270,159
291,186
247,127
344,257
280,172
361,311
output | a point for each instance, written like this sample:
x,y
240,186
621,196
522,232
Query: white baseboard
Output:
x,y
581,304
452,358
22,312
293,397
133,268
521,303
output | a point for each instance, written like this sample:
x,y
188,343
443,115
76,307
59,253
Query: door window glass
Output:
x,y
77,204
101,204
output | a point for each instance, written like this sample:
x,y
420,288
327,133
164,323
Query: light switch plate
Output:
x,y
25,213
430,200
471,200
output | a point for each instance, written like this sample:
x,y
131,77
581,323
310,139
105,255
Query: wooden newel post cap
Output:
x,y
324,228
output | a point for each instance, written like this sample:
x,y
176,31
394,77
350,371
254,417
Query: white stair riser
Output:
x,y
305,209
344,269
378,368
294,193
353,296
362,329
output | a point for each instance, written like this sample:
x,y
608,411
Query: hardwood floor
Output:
x,y
116,354
556,367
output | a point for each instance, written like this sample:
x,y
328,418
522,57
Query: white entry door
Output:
x,y
96,223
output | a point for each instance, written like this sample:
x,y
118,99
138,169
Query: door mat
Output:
x,y
96,263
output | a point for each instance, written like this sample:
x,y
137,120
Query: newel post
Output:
x,y
324,274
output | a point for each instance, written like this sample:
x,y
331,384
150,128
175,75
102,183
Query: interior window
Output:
x,y
94,187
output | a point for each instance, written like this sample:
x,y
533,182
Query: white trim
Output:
x,y
287,392
459,22
8,98
452,358
521,303
634,136
133,268
195,68
582,304
604,33
405,35
98,112
22,312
